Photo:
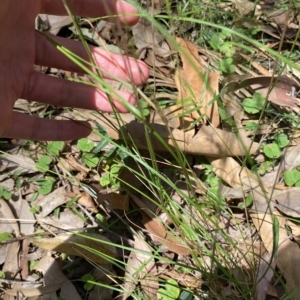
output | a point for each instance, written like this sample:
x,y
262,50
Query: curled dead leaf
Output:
x,y
87,201
91,246
196,88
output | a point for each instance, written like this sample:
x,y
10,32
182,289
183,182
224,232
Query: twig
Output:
x,y
13,281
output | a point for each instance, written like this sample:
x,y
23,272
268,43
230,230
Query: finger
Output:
x,y
126,13
122,67
65,93
23,126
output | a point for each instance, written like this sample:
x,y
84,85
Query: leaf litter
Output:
x,y
204,128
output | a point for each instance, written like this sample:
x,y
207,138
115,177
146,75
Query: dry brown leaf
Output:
x,y
66,220
71,164
281,17
244,7
53,23
157,229
27,291
164,237
289,253
24,265
103,274
139,266
288,257
189,281
146,36
26,218
208,141
287,201
194,90
72,244
114,201
264,275
8,184
11,265
52,201
53,277
87,201
283,92
21,163
8,218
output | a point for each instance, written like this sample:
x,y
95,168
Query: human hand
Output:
x,y
22,48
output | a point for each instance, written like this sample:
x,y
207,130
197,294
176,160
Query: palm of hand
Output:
x,y
23,47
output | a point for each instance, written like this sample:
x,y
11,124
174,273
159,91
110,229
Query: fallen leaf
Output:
x,y
196,89
287,202
139,267
87,201
20,163
263,205
7,217
282,93
244,7
207,141
288,257
51,201
146,36
53,277
66,220
53,24
11,265
27,291
88,246
114,201
158,231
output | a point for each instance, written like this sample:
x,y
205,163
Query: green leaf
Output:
x,y
90,159
46,185
105,180
281,139
85,145
272,151
292,178
2,274
5,236
251,126
226,65
146,112
32,264
4,193
162,294
42,168
88,285
35,209
248,201
255,104
102,143
45,160
115,169
43,163
265,166
104,140
228,49
144,107
185,295
54,148
216,41
173,288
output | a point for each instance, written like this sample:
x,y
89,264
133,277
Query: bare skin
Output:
x,y
21,47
